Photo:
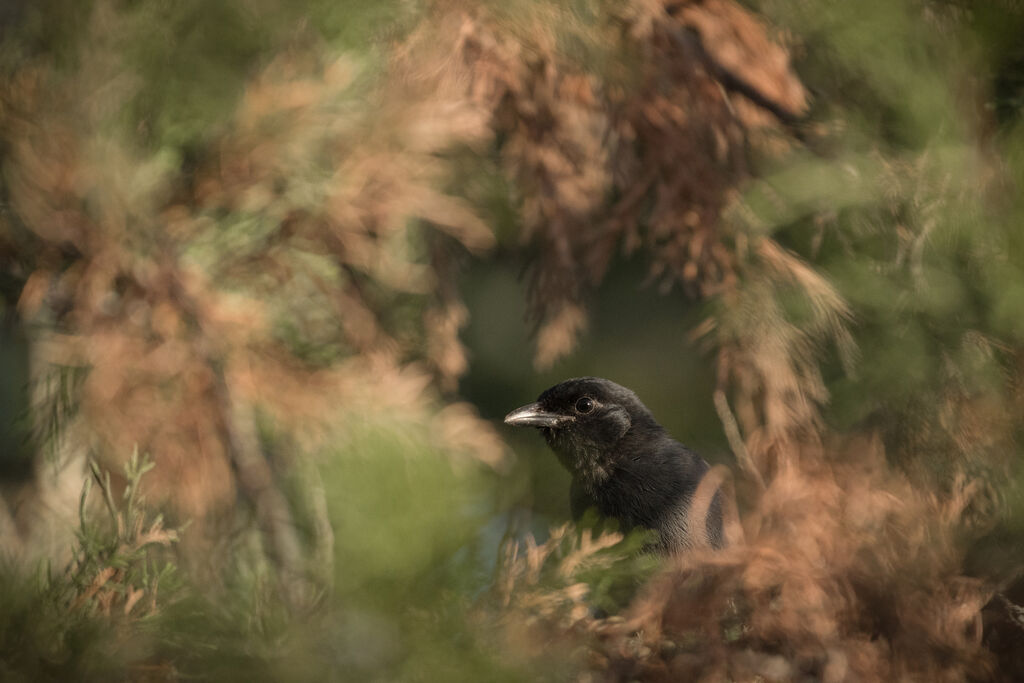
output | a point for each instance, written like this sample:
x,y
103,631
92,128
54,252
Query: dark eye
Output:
x,y
584,405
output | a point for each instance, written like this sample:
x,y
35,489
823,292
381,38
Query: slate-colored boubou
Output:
x,y
622,461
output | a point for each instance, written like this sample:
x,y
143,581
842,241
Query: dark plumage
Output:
x,y
621,460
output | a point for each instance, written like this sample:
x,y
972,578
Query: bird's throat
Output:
x,y
587,463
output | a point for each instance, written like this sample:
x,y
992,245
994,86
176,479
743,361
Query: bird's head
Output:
x,y
583,420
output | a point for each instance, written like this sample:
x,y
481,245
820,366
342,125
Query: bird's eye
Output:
x,y
584,405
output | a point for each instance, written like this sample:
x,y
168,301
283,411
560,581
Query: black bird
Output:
x,y
621,460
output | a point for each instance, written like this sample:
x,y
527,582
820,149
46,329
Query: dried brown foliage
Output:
x,y
639,153
848,570
847,574
176,314
301,270
171,284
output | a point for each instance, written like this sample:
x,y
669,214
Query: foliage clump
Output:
x,y
254,275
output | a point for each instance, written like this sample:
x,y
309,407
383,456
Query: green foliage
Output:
x,y
41,639
385,484
397,599
117,562
899,218
88,621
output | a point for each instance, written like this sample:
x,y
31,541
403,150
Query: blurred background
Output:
x,y
271,273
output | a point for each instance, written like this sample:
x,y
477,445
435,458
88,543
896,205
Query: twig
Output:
x,y
323,531
255,477
1013,610
257,483
732,433
689,40
9,536
718,480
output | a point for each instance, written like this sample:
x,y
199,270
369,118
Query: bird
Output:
x,y
622,461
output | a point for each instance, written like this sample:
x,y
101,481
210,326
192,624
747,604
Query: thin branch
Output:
x,y
256,480
254,475
690,41
732,433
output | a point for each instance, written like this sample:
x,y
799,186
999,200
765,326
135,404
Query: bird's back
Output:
x,y
654,486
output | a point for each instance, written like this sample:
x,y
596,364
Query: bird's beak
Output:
x,y
533,415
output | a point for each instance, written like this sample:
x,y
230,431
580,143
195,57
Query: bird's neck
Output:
x,y
643,476
590,463
594,463
587,463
